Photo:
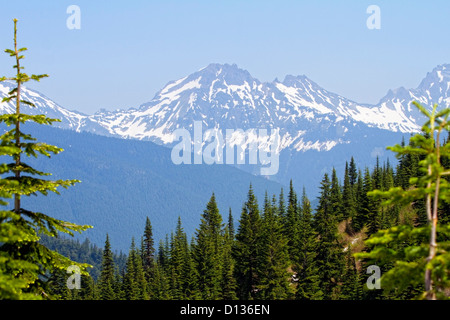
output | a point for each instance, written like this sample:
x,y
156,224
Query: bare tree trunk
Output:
x,y
17,136
433,220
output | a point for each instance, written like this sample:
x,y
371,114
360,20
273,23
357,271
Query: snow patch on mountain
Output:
x,y
224,96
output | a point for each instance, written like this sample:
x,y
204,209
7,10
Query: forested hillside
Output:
x,y
280,247
124,181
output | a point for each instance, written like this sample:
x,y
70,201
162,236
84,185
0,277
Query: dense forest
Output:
x,y
279,249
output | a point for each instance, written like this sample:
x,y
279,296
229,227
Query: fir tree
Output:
x,y
228,284
230,225
336,197
148,253
208,252
107,275
181,269
307,272
24,262
351,283
247,249
275,256
329,251
290,226
135,285
348,197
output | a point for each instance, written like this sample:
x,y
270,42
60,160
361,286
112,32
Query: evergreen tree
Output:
x,y
228,285
418,254
107,276
352,173
336,197
25,263
247,249
275,256
208,252
230,225
351,284
291,220
148,254
181,268
370,214
348,197
282,207
307,271
135,285
329,250
161,286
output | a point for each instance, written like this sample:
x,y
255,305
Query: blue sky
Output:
x,y
126,51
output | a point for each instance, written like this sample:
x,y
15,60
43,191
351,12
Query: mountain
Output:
x,y
124,181
434,88
318,129
225,96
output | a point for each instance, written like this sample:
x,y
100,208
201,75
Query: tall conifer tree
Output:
x,y
307,271
247,249
107,274
24,262
208,252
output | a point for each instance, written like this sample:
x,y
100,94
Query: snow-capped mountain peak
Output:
x,y
224,96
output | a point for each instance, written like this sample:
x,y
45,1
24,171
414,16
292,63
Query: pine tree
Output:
x,y
351,283
336,197
247,249
329,251
230,225
181,266
135,285
275,256
228,284
24,262
348,197
130,286
290,226
282,207
148,254
307,271
107,275
161,286
370,213
208,252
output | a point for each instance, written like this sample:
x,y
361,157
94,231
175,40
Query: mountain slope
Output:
x,y
224,96
434,88
124,181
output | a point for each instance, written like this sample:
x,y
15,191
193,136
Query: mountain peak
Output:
x,y
440,74
294,81
230,73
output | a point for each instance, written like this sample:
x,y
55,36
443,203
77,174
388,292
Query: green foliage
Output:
x,y
247,249
208,252
329,249
307,270
418,253
275,255
24,262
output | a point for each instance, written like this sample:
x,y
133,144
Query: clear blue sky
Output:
x,y
126,51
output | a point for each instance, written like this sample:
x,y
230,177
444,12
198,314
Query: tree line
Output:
x,y
281,249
